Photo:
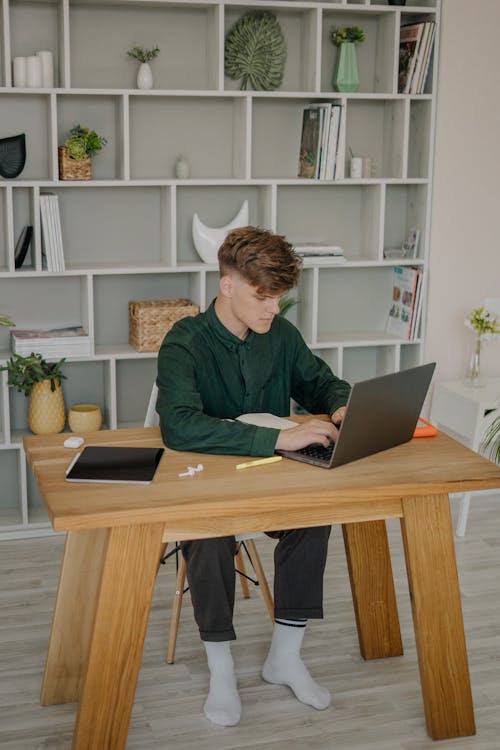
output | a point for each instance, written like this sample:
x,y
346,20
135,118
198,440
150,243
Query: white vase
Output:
x,y
182,170
144,76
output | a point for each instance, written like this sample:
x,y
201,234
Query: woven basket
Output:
x,y
73,169
150,319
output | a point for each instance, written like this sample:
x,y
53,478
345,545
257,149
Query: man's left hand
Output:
x,y
338,415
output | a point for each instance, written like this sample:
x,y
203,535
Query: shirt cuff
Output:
x,y
264,441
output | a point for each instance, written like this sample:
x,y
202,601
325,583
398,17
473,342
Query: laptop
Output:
x,y
381,413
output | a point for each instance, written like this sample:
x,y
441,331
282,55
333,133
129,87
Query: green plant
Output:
x,y
143,55
83,142
5,321
491,441
353,34
24,372
286,304
484,323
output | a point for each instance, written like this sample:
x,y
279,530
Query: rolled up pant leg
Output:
x,y
211,577
299,565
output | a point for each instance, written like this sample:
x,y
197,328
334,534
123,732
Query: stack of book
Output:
x,y
319,143
320,251
406,303
52,246
51,344
415,47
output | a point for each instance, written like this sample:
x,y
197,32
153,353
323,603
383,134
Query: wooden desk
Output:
x,y
116,536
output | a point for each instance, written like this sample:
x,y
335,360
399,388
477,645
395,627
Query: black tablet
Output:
x,y
122,465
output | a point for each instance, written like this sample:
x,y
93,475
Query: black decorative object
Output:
x,y
397,2
12,155
22,245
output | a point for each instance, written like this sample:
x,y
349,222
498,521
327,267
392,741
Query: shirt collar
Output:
x,y
229,339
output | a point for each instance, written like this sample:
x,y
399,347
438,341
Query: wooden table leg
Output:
x,y
121,616
437,616
372,586
73,616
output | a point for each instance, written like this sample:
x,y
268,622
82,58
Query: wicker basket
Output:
x,y
73,169
150,319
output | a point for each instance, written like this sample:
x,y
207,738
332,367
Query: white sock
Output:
x,y
223,705
284,666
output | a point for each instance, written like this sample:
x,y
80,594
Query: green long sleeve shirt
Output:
x,y
207,375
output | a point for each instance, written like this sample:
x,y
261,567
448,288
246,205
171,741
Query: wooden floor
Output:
x,y
376,705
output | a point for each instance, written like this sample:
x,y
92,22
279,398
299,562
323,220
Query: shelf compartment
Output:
x,y
405,209
345,215
276,135
134,381
99,113
34,26
32,110
410,356
419,146
44,301
362,363
87,383
115,226
383,140
112,294
114,29
352,301
10,497
37,513
173,125
216,206
299,29
375,56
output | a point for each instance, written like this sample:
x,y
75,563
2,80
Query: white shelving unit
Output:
x,y
127,232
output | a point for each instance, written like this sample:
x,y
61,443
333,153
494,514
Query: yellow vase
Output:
x,y
46,412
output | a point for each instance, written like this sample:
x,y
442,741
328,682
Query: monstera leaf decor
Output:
x,y
255,51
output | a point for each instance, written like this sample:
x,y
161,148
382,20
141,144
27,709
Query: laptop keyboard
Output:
x,y
316,450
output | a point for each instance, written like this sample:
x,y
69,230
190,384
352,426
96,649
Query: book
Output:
x,y
422,58
417,311
409,41
114,464
427,58
317,249
53,344
404,284
56,223
310,142
333,141
48,238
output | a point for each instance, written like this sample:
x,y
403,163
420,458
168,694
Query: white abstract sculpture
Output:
x,y
207,240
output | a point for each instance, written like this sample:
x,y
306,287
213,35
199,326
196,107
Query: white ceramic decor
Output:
x,y
207,240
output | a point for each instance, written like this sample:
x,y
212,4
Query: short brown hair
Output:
x,y
265,260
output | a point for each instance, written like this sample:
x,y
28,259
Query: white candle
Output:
x,y
47,68
33,72
19,68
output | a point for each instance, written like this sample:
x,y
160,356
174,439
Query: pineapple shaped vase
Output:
x,y
46,412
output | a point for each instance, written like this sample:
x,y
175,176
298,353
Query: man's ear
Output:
x,y
226,285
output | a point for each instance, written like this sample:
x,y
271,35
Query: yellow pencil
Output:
x,y
259,462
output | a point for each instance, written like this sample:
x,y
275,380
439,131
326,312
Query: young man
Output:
x,y
241,356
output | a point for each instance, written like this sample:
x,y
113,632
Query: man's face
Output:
x,y
251,308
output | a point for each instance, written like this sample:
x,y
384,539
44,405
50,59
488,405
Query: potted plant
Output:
x,y
487,328
144,56
74,156
5,321
40,381
346,71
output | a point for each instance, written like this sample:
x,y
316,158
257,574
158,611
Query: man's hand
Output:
x,y
307,433
338,415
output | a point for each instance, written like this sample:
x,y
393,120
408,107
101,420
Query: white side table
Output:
x,y
465,413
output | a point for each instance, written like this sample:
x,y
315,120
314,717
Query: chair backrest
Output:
x,y
152,418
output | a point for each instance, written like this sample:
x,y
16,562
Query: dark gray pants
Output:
x,y
299,564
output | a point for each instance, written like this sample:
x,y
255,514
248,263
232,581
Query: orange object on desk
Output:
x,y
424,429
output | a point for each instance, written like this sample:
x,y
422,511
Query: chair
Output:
x,y
245,543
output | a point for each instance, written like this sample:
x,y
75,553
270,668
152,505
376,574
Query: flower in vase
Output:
x,y
484,323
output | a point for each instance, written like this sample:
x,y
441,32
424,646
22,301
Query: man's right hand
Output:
x,y
307,433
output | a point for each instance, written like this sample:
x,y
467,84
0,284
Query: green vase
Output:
x,y
346,73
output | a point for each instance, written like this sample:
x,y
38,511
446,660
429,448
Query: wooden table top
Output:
x,y
222,500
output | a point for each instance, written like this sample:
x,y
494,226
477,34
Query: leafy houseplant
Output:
x,y
24,372
41,381
144,56
346,70
74,156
